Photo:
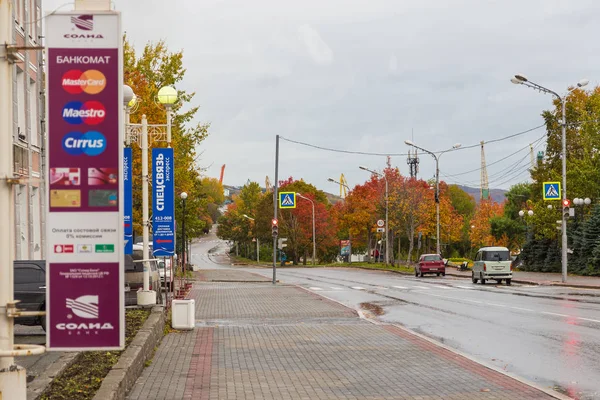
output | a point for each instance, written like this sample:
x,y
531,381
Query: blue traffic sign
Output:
x,y
287,199
551,191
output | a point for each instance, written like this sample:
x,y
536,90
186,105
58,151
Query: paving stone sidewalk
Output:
x,y
264,341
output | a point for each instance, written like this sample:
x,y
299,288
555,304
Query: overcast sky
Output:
x,y
364,75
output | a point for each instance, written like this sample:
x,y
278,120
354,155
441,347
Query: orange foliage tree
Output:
x,y
481,228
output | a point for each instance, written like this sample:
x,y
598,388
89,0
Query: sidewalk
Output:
x,y
256,340
541,278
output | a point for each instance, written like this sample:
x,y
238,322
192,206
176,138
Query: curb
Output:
x,y
125,372
36,389
534,385
537,283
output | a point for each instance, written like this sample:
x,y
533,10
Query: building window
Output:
x,y
20,160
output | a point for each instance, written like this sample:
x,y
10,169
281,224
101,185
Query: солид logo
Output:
x,y
91,143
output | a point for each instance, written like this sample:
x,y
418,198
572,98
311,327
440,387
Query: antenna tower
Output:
x,y
485,189
413,163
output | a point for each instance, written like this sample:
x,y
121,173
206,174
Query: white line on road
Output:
x,y
464,287
315,288
400,287
335,288
358,288
589,319
421,287
441,287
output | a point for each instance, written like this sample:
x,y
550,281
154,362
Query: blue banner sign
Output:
x,y
163,203
128,200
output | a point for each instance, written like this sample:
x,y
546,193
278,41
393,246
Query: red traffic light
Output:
x,y
566,202
274,222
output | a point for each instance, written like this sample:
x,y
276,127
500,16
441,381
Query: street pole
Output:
x,y
387,226
257,251
12,378
275,186
564,188
183,242
437,203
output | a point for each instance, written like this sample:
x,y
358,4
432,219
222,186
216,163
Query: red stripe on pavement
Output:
x,y
197,385
492,376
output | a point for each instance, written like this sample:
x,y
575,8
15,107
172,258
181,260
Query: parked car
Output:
x,y
492,263
134,275
164,269
430,264
30,290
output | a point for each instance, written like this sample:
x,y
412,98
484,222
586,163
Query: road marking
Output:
x,y
335,288
464,287
421,287
558,315
358,288
400,287
315,288
441,287
522,309
589,319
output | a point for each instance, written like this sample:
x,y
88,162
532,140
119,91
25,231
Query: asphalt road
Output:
x,y
549,335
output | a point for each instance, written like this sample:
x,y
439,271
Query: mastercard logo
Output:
x,y
91,81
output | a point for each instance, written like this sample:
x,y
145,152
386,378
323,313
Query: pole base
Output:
x,y
13,383
146,298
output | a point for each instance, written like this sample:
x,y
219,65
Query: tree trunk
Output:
x,y
304,258
399,248
411,241
368,245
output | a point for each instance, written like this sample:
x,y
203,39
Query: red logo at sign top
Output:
x,y
64,248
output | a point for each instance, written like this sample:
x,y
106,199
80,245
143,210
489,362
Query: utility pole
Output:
x,y
13,384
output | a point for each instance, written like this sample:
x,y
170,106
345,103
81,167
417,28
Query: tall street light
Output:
x,y
257,242
522,80
183,196
387,227
437,186
314,257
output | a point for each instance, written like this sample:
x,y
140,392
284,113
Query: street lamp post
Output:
x,y
387,257
257,242
183,196
167,96
314,257
437,186
522,80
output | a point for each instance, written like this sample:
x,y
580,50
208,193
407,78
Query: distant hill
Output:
x,y
496,194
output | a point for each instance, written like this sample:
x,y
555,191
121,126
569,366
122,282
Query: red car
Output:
x,y
430,264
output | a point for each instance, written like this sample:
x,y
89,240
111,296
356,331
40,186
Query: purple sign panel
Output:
x,y
83,139
82,303
84,220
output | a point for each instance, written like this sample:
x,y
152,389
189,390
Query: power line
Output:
x,y
365,153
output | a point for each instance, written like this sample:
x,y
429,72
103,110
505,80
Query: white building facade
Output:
x,y
28,130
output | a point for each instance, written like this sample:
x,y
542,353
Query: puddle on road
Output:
x,y
373,308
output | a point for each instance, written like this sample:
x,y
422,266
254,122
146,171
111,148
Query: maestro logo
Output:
x,y
91,143
91,81
89,112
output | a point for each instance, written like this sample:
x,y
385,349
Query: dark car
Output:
x,y
430,264
30,290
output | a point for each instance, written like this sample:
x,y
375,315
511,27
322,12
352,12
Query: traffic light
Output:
x,y
275,227
566,203
281,243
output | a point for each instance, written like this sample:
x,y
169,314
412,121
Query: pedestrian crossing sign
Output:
x,y
287,199
551,191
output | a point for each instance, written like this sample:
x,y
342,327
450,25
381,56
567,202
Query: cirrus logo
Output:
x,y
91,143
89,113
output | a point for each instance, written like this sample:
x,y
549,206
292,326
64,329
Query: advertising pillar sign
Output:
x,y
127,200
84,212
163,202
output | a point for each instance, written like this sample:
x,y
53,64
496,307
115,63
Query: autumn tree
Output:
x,y
154,68
481,228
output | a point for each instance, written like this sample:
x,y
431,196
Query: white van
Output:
x,y
492,263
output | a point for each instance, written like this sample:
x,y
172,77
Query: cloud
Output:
x,y
318,50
